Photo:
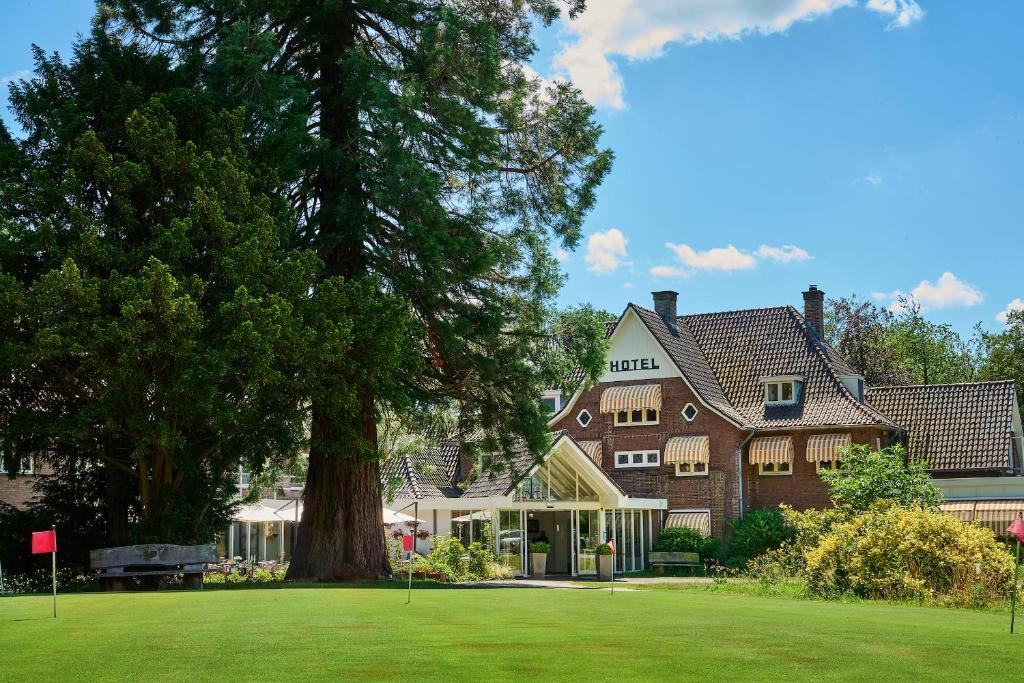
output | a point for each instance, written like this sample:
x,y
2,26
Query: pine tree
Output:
x,y
433,171
152,308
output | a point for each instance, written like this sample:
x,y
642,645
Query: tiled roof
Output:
x,y
433,473
499,479
742,347
953,426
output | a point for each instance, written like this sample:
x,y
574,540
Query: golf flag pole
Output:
x,y
611,544
1017,531
412,545
46,542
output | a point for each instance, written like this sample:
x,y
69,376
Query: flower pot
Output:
x,y
538,564
604,567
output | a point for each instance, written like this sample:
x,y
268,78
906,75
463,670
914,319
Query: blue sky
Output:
x,y
867,146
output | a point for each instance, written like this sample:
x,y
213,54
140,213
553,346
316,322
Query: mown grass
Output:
x,y
502,634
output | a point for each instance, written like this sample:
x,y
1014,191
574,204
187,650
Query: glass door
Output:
x,y
511,540
588,537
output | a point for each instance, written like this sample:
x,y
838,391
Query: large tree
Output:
x,y
1002,353
433,169
152,306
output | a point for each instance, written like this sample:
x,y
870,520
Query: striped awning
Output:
x,y
997,514
687,449
771,449
701,521
825,446
592,449
632,397
961,509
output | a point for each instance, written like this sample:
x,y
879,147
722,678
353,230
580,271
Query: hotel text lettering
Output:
x,y
632,364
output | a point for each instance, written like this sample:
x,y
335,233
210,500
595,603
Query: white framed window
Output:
x,y
690,412
552,401
28,466
769,469
783,390
624,459
820,465
584,417
691,469
636,417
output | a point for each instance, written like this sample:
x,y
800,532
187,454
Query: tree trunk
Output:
x,y
118,490
341,535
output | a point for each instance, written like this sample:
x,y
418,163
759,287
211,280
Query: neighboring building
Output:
x,y
701,418
18,491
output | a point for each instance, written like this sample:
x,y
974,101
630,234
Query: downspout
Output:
x,y
739,467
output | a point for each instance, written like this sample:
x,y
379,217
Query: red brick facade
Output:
x,y
16,492
718,491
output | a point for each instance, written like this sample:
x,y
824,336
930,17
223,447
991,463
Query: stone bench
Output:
x,y
658,561
153,563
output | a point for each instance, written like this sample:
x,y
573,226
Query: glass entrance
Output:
x,y
587,534
511,540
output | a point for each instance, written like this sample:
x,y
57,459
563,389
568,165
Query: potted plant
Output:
x,y
538,558
604,556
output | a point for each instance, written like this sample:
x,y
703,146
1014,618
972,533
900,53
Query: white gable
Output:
x,y
634,353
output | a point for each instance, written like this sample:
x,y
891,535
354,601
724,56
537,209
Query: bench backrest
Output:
x,y
154,554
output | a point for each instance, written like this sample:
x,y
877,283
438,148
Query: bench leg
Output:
x,y
193,582
114,584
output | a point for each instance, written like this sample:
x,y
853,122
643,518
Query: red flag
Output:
x,y
44,542
611,544
407,543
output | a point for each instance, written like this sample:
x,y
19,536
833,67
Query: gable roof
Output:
x,y
954,426
433,473
742,347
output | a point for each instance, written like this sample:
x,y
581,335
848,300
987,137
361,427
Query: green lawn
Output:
x,y
336,633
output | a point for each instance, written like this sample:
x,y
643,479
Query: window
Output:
x,y
775,468
820,465
637,458
689,412
584,417
552,401
637,416
691,469
782,390
27,466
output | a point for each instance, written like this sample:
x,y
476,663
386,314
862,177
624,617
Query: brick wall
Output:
x,y
16,492
803,488
717,491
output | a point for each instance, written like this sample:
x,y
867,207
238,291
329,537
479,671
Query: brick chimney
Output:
x,y
814,309
665,306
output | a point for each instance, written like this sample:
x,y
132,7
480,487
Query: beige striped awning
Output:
x,y
997,514
701,521
825,446
961,509
687,449
632,397
592,449
771,449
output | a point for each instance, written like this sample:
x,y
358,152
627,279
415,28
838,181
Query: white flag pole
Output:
x,y
53,528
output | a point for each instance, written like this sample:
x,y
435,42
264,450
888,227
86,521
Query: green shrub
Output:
x,y
896,553
446,557
752,535
480,561
685,540
866,476
603,549
540,547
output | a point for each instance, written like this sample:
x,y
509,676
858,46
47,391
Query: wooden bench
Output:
x,y
153,563
659,561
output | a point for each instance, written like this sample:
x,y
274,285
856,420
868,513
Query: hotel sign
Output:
x,y
632,364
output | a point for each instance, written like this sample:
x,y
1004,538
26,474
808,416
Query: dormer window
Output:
x,y
783,390
552,401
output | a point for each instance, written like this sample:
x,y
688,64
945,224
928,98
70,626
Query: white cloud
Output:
x,y
718,258
561,255
948,291
670,271
16,76
604,250
787,253
1015,305
903,12
628,285
641,29
873,179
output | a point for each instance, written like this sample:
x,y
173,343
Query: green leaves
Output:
x,y
866,477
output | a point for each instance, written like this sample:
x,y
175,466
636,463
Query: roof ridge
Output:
x,y
737,310
941,384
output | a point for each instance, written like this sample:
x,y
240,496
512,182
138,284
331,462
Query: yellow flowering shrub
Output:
x,y
910,554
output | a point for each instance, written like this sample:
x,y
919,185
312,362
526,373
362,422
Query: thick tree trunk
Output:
x,y
118,490
341,535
